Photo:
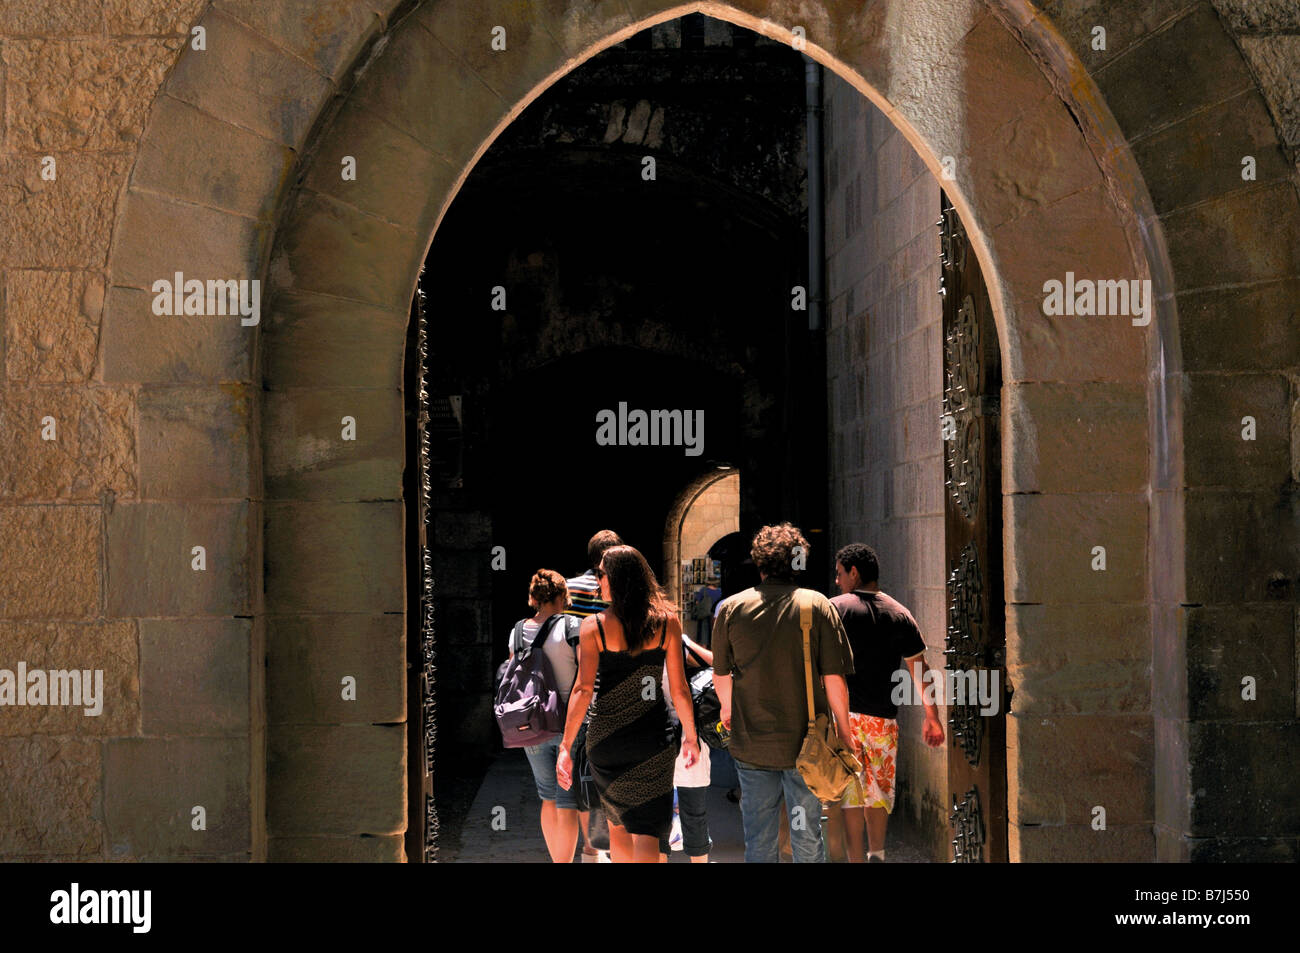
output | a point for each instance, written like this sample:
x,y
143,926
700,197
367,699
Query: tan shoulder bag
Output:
x,y
827,765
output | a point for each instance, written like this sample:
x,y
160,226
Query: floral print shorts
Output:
x,y
879,737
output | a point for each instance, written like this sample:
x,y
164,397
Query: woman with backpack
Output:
x,y
549,595
631,742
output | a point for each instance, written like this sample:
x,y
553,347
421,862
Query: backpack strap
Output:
x,y
542,633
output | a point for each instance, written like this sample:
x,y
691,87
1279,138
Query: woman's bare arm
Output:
x,y
698,649
677,681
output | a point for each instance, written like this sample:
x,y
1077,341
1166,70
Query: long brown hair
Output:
x,y
636,597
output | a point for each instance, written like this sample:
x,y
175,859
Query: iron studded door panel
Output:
x,y
976,638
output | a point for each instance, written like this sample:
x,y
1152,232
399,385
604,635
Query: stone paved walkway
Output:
x,y
508,794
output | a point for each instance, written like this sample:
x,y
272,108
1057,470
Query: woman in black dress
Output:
x,y
631,742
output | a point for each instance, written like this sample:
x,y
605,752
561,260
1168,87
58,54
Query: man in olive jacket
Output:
x,y
758,669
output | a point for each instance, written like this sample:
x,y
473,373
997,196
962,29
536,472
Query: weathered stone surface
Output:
x,y
1060,634
1276,61
245,80
1125,25
1122,685
336,780
531,52
245,176
1079,843
1083,235
1215,452
326,33
1225,644
1084,437
194,676
323,341
51,324
388,164
1243,778
108,647
1241,547
309,656
1244,329
1200,157
1040,569
1234,239
335,557
203,243
140,346
131,17
320,341
455,122
1250,16
1037,154
94,449
318,255
88,93
152,785
61,224
52,560
50,18
51,803
194,442
150,558
1171,74
1049,782
1075,659
307,457
365,849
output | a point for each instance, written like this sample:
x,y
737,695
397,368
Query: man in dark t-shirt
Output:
x,y
883,636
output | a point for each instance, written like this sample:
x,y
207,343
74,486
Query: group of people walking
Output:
x,y
615,644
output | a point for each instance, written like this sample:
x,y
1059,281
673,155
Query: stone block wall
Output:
x,y
885,391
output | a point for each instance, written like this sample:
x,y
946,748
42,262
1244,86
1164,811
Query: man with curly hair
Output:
x,y
758,667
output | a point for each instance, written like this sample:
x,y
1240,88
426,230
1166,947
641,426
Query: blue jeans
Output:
x,y
542,758
760,811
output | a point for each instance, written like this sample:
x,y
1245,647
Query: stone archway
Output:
x,y
1042,176
689,496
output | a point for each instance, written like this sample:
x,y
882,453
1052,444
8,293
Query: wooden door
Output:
x,y
976,638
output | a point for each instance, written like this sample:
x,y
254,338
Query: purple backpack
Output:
x,y
528,698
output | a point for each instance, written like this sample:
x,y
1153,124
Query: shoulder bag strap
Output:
x,y
805,623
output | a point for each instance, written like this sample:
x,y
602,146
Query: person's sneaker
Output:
x,y
591,858
604,858
875,860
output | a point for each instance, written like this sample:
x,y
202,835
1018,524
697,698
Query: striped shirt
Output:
x,y
584,595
